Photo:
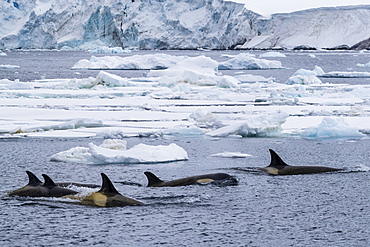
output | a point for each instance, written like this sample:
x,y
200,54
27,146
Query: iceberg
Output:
x,y
136,62
248,61
261,126
2,54
366,65
332,128
115,152
303,80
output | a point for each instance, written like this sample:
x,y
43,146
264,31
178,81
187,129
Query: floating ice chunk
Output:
x,y
110,80
204,118
74,155
269,125
231,155
316,72
200,70
332,128
115,144
227,81
364,65
248,61
312,55
8,66
253,78
106,50
272,54
339,74
2,54
115,152
303,79
148,61
16,85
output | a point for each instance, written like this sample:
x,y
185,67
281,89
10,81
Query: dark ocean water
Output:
x,y
330,209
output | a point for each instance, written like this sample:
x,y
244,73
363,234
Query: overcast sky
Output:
x,y
268,7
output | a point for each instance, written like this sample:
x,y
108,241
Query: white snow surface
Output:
x,y
113,151
172,24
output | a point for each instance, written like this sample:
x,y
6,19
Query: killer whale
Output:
x,y
154,181
36,188
107,196
279,167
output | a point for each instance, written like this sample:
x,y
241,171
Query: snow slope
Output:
x,y
171,24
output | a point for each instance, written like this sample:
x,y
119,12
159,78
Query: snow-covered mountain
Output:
x,y
173,24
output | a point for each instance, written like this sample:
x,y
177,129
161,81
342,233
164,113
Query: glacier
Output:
x,y
171,24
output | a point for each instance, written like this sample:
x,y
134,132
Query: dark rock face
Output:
x,y
363,45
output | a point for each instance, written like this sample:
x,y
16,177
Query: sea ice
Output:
x,y
364,65
147,61
8,66
115,152
248,61
231,155
272,54
332,128
267,125
344,74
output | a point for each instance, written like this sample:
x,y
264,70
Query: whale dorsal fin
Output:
x,y
152,179
107,186
276,161
32,179
48,181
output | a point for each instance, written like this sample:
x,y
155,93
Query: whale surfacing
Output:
x,y
35,188
154,181
107,196
279,167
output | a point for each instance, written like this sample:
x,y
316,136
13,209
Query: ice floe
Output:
x,y
190,97
135,62
2,54
364,65
231,155
113,151
272,54
248,61
344,74
332,128
9,66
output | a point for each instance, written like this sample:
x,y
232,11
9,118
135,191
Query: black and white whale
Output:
x,y
154,181
107,196
279,167
36,188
